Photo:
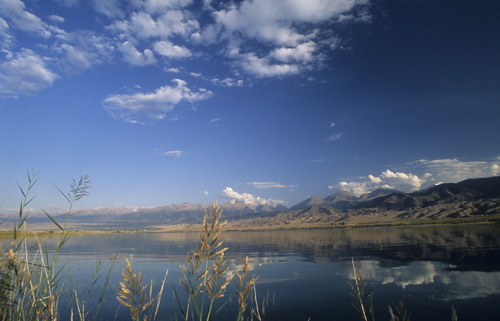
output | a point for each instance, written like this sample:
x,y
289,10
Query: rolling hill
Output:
x,y
472,199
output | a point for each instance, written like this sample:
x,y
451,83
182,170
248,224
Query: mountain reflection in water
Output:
x,y
429,268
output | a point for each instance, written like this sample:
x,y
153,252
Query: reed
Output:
x,y
245,285
31,283
363,298
204,276
401,313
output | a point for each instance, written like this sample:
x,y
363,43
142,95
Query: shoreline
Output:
x,y
233,226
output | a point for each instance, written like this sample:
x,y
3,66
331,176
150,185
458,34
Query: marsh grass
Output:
x,y
85,308
133,293
31,282
204,276
363,297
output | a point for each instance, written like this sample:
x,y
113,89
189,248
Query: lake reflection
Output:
x,y
306,272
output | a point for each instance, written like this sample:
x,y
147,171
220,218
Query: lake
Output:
x,y
303,275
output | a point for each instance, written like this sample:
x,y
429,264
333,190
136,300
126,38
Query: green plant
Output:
x,y
204,276
84,307
31,283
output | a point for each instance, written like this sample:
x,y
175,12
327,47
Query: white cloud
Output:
x,y
454,170
303,52
68,3
141,25
5,38
266,185
168,49
390,180
135,57
246,198
24,73
274,21
173,153
334,137
264,67
57,19
401,180
15,12
155,6
153,105
76,59
228,82
355,188
279,26
172,70
109,8
433,173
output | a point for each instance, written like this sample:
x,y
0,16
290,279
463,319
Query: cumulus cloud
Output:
x,y
405,182
258,37
434,172
155,6
228,82
169,50
142,26
56,18
68,3
266,185
303,52
109,8
454,170
172,70
275,24
24,73
15,12
5,38
135,57
274,21
152,105
249,199
264,67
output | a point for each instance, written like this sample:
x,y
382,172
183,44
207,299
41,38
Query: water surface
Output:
x,y
304,274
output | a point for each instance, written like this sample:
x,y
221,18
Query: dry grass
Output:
x,y
134,294
245,285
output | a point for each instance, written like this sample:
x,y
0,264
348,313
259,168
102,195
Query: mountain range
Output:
x,y
472,198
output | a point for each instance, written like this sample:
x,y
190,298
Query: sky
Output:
x,y
259,101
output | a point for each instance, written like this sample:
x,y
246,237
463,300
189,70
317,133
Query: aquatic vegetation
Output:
x,y
31,283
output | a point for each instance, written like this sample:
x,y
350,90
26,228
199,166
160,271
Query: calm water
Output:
x,y
305,273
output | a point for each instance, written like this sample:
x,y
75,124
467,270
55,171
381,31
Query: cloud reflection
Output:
x,y
446,283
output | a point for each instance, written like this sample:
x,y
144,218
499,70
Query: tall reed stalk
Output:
x,y
31,283
363,298
204,277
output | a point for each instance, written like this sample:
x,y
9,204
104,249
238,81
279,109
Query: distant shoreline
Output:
x,y
232,227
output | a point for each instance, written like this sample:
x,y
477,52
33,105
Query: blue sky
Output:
x,y
262,101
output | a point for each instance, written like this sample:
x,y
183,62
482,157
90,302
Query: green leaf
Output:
x,y
53,221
